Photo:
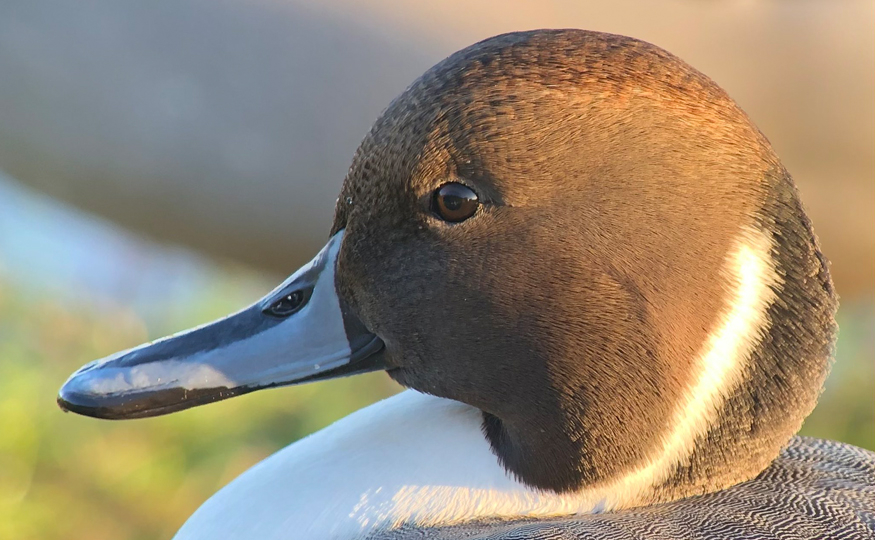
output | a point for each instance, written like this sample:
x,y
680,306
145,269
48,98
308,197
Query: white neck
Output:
x,y
412,459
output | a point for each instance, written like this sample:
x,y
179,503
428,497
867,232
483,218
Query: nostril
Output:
x,y
289,304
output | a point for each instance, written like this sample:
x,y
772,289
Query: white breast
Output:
x,y
411,458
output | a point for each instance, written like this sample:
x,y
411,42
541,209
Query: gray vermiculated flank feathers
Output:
x,y
816,489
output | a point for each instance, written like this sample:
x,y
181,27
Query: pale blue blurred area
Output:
x,y
50,248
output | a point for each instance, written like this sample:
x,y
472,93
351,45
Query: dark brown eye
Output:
x,y
454,202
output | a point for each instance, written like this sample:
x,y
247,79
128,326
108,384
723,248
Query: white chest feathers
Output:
x,y
411,458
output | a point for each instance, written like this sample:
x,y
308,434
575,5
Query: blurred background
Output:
x,y
164,163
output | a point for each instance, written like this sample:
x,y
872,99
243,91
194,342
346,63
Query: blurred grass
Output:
x,y
846,410
69,477
63,476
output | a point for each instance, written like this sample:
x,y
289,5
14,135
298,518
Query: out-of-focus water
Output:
x,y
49,247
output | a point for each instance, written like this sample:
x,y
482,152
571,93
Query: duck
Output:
x,y
598,285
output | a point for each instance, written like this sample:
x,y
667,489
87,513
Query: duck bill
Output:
x,y
298,333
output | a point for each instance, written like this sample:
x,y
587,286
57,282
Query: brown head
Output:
x,y
583,237
616,185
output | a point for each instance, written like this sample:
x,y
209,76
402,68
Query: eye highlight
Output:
x,y
454,202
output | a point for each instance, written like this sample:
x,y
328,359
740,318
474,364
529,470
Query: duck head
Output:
x,y
574,232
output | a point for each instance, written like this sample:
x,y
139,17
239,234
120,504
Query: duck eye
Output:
x,y
289,303
454,202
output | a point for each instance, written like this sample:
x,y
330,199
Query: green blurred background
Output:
x,y
167,163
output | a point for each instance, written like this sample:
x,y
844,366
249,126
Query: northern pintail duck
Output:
x,y
597,281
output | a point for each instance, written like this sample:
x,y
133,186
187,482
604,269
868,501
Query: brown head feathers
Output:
x,y
638,301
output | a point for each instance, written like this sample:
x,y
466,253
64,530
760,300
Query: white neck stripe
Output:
x,y
723,363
